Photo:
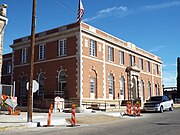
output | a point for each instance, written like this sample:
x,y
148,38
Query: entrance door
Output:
x,y
134,89
63,89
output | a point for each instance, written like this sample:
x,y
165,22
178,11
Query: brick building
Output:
x,y
7,69
83,64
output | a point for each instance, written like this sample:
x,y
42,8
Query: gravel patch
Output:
x,y
94,119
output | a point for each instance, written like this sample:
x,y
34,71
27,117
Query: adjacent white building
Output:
x,y
3,23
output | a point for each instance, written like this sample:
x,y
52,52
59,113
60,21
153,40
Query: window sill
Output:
x,y
24,62
62,55
41,59
93,56
110,61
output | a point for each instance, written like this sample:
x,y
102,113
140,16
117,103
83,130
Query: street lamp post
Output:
x,y
30,92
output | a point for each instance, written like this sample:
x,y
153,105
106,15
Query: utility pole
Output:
x,y
178,77
30,92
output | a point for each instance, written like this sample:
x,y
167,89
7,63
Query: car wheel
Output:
x,y
171,108
161,109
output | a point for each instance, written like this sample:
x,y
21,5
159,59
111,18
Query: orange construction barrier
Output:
x,y
73,115
138,111
10,110
50,115
134,109
128,108
3,97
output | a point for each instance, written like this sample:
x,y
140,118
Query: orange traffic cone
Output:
x,y
49,115
73,115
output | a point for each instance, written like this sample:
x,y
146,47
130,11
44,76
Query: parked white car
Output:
x,y
158,103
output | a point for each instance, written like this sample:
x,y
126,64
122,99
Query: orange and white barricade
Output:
x,y
128,108
138,111
134,109
50,115
10,110
3,97
73,115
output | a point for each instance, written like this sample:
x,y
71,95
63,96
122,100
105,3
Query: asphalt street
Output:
x,y
166,123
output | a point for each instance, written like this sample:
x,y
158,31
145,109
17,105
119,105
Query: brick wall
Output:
x,y
98,66
104,67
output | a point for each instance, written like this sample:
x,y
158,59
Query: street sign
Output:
x,y
35,86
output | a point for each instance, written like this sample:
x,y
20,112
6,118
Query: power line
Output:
x,y
64,5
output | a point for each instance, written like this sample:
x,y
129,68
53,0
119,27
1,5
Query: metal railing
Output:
x,y
103,105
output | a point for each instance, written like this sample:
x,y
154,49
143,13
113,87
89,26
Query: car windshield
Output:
x,y
155,99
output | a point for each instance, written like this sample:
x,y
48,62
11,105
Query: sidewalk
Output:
x,y
40,119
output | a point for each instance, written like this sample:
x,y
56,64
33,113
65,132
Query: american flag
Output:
x,y
80,11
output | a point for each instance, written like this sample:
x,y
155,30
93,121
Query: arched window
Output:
x,y
111,84
62,84
41,81
149,89
92,85
23,89
141,90
122,87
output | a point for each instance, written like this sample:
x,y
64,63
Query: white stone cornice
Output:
x,y
4,19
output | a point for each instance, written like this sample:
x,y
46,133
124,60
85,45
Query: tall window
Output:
x,y
157,89
131,60
41,81
110,53
23,86
93,48
9,68
148,68
111,84
121,57
141,64
92,85
149,89
157,69
24,55
62,84
42,52
141,90
62,49
122,87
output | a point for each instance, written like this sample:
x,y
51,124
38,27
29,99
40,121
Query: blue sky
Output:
x,y
152,25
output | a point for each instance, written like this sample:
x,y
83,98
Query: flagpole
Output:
x,y
79,18
80,11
